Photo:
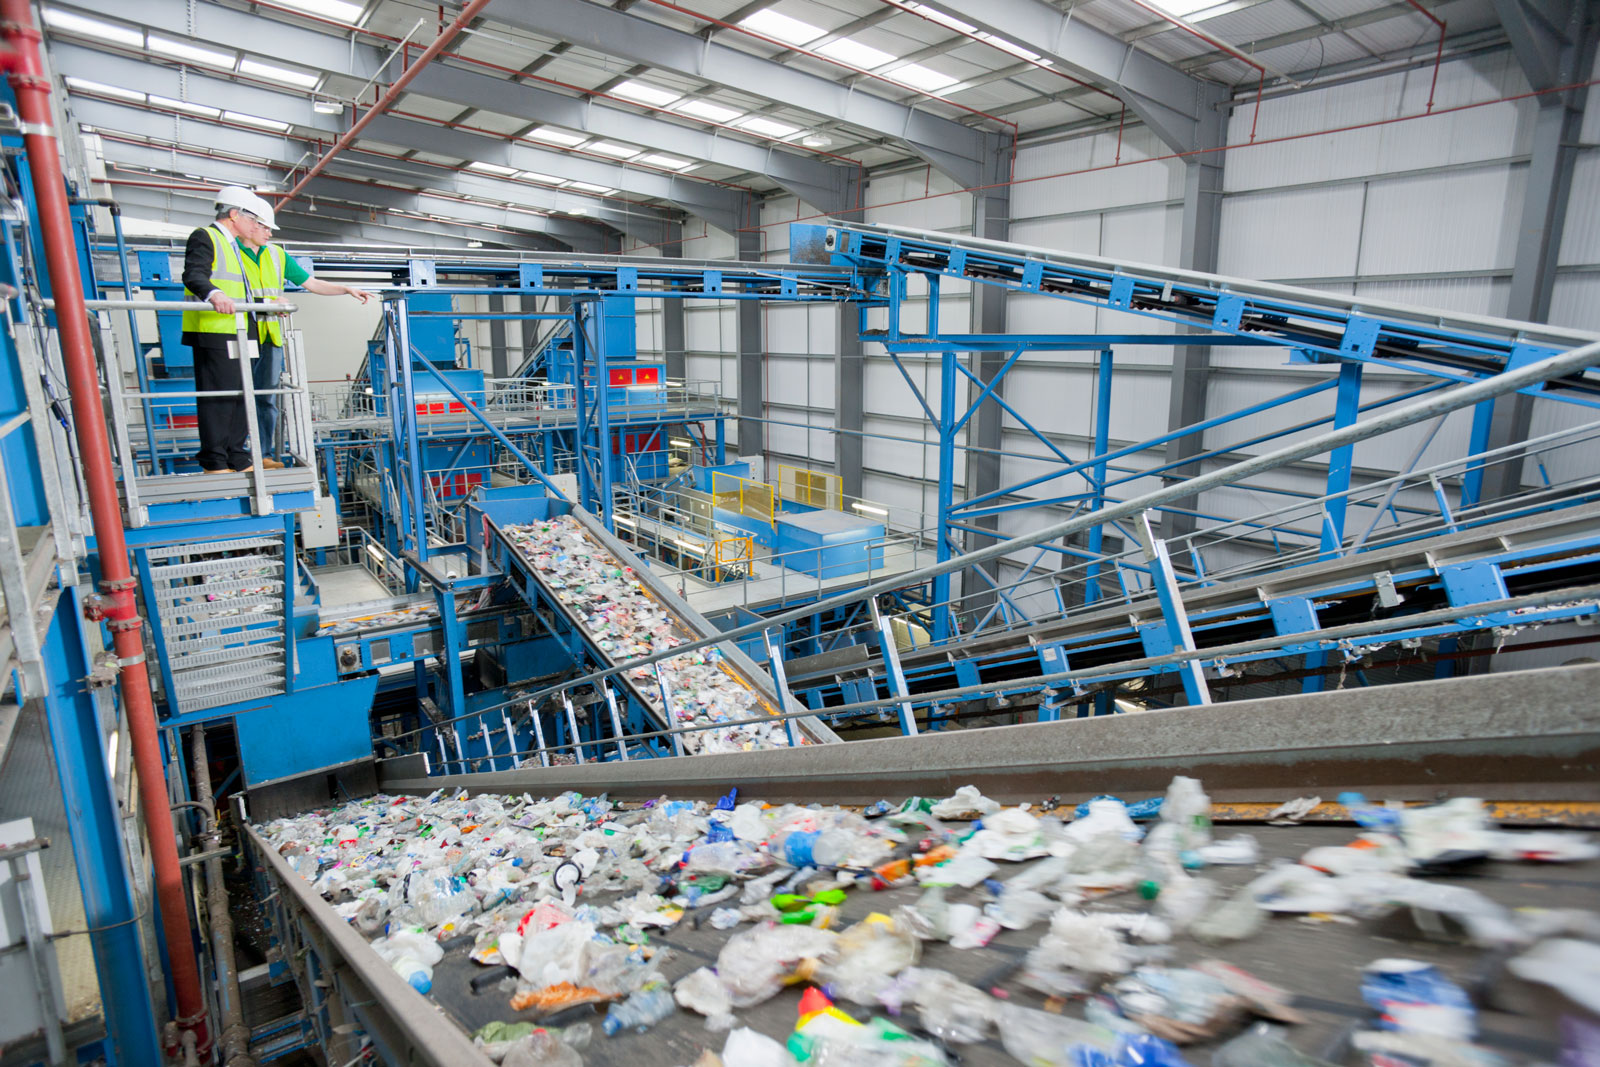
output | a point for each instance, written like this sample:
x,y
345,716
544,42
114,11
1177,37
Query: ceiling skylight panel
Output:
x,y
256,120
916,76
342,10
769,127
855,53
273,72
705,109
769,23
644,93
551,135
71,22
193,52
84,85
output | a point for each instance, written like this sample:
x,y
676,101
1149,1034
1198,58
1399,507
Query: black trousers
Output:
x,y
224,430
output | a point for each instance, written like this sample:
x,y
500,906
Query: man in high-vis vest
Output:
x,y
266,267
218,270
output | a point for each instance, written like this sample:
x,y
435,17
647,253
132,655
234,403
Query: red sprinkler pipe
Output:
x,y
392,94
116,606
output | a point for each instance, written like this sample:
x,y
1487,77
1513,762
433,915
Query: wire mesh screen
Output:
x,y
817,489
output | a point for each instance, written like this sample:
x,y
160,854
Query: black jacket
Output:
x,y
197,279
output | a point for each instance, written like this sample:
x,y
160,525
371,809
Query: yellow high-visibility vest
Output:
x,y
266,283
227,274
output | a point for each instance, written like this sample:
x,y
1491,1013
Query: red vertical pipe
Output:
x,y
32,88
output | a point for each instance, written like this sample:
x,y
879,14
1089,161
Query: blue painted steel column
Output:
x,y
97,845
419,510
580,347
1102,441
1174,614
1482,427
1347,406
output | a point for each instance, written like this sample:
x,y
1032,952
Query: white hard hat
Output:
x,y
245,200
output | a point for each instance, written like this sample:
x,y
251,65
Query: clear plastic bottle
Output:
x,y
412,954
639,1012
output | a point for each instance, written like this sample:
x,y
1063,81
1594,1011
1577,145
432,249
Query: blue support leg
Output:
x,y
95,823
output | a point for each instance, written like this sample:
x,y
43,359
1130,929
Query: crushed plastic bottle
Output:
x,y
639,1012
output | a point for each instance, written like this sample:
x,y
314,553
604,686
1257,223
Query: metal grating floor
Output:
x,y
29,788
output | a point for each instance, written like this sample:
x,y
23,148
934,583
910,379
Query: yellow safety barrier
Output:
x,y
817,489
745,495
734,550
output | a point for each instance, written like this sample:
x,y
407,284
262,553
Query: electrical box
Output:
x,y
319,527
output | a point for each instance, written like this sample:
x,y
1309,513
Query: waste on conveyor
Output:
x,y
625,622
567,903
409,614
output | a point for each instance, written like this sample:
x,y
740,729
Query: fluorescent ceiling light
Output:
x,y
543,179
644,93
940,17
277,74
492,168
327,107
855,53
1180,8
917,76
613,149
657,159
1015,49
86,86
705,109
551,135
869,509
184,105
342,10
589,187
577,210
255,120
192,52
769,23
768,127
69,22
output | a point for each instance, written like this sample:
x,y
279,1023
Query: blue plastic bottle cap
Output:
x,y
420,982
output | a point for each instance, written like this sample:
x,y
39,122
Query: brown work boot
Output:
x,y
271,464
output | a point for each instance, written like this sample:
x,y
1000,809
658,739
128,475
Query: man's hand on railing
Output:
x,y
221,301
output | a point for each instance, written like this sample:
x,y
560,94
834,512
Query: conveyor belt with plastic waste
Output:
x,y
1056,948
563,557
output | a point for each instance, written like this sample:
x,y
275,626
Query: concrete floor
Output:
x,y
1320,963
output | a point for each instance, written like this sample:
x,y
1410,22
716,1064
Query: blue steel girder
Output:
x,y
1463,347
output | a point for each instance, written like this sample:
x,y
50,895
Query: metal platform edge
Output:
x,y
1524,736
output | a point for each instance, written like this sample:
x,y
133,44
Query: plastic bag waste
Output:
x,y
542,1049
862,960
412,954
703,992
747,1048
1240,850
754,963
1234,919
1018,909
1041,1039
967,803
1570,967
1263,1045
950,1009
1010,834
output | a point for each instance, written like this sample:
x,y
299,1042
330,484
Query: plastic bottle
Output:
x,y
640,1012
412,954
832,848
